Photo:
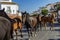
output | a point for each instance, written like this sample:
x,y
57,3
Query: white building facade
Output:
x,y
10,7
5,0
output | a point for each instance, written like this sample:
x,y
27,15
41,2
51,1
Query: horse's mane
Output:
x,y
17,19
4,14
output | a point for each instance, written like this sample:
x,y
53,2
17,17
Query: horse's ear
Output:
x,y
25,12
3,9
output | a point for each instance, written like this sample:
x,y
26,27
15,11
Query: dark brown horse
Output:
x,y
15,23
12,21
3,14
5,28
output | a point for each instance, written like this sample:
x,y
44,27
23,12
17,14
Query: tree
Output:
x,y
44,12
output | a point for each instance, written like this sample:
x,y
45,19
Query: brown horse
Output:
x,y
39,21
12,21
17,24
25,22
48,19
33,24
29,22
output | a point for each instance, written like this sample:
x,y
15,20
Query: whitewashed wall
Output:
x,y
13,7
48,7
20,14
5,0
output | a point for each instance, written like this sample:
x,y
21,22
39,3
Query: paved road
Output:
x,y
24,32
42,35
47,35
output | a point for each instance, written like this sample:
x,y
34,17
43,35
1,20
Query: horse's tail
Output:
x,y
11,31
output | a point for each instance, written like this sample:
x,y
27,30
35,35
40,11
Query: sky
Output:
x,y
33,5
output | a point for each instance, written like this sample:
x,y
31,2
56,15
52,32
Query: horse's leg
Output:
x,y
27,30
37,26
31,30
40,25
11,32
45,25
35,31
16,34
52,26
21,33
20,27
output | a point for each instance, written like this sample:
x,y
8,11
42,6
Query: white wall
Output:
x,y
20,14
5,0
48,7
59,12
13,7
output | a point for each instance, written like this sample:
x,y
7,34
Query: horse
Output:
x,y
25,22
29,22
39,21
17,25
4,14
49,19
33,24
5,27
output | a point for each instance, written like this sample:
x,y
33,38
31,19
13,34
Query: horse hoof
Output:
x,y
11,37
50,28
29,39
35,35
28,35
21,36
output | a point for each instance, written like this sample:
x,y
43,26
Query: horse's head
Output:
x,y
53,15
2,11
39,17
24,17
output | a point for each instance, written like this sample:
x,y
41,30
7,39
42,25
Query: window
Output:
x,y
13,11
8,10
